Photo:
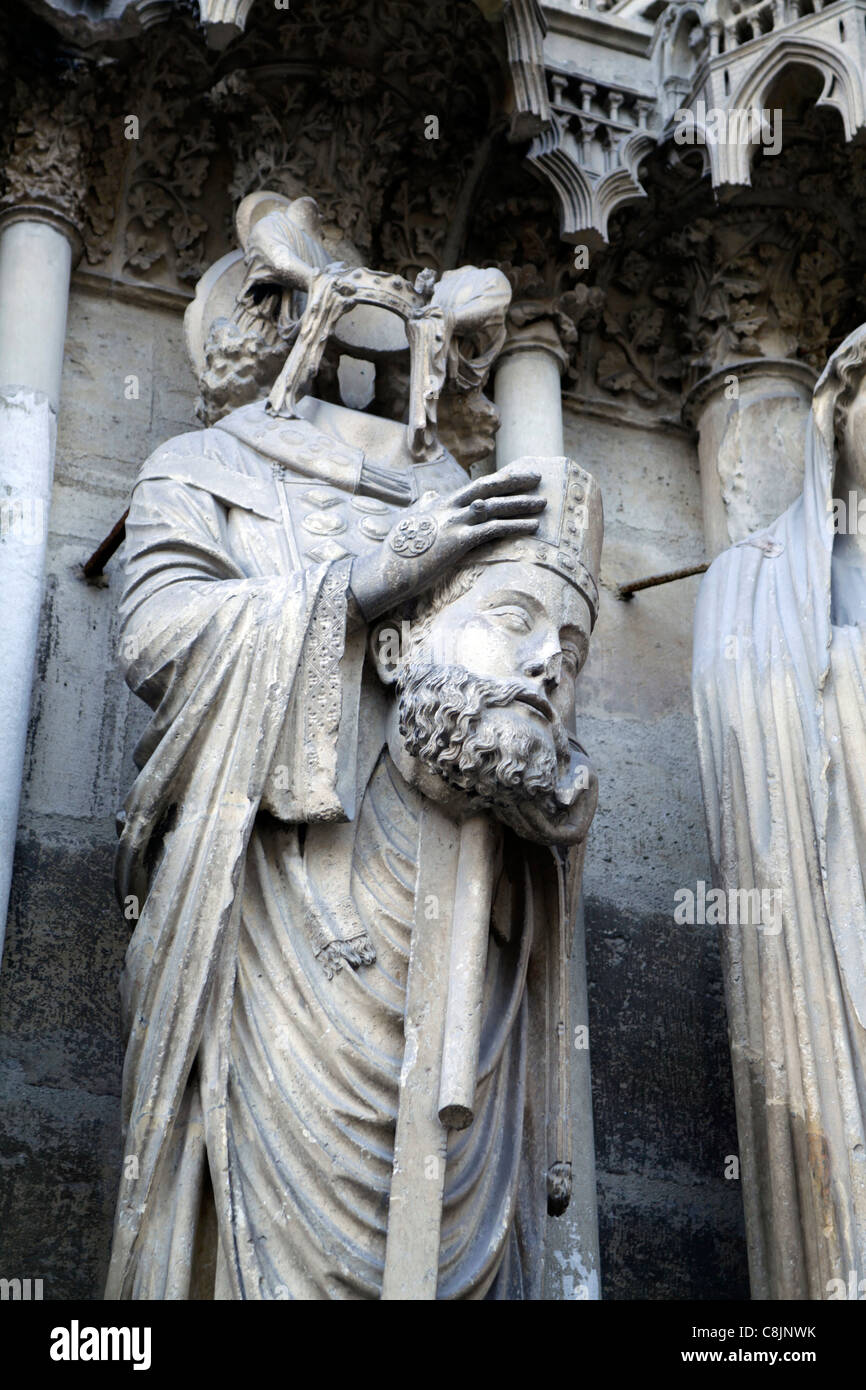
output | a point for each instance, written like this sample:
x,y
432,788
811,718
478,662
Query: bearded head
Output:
x,y
463,727
484,685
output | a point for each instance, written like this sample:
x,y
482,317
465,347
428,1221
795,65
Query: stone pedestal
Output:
x,y
751,420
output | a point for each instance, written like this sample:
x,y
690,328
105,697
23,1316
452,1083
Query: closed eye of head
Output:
x,y
512,615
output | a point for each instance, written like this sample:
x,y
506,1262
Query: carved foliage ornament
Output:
x,y
516,228
382,112
690,288
47,148
379,114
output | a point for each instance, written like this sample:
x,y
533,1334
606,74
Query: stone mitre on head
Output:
x,y
570,531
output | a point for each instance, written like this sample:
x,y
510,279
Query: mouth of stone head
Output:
x,y
537,703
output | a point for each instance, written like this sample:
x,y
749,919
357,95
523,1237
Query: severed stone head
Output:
x,y
484,673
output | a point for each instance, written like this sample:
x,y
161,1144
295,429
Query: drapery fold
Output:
x,y
218,656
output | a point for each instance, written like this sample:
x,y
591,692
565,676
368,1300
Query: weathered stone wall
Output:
x,y
671,1223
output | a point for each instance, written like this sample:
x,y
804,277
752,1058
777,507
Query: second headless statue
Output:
x,y
780,700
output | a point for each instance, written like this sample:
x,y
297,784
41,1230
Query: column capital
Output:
x,y
535,335
749,417
46,176
33,210
787,371
543,319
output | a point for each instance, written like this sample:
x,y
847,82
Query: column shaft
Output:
x,y
35,265
529,398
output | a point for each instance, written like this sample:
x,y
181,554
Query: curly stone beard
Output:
x,y
448,720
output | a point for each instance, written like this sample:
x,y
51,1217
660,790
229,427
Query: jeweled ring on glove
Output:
x,y
413,535
478,510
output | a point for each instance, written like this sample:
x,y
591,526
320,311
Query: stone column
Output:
x,y
751,420
39,240
528,396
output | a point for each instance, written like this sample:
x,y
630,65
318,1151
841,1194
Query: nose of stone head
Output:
x,y
547,671
553,671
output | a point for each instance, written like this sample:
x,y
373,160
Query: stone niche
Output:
x,y
399,119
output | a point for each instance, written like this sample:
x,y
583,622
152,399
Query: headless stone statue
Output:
x,y
780,700
350,652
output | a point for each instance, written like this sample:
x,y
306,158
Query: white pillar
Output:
x,y
528,396
35,266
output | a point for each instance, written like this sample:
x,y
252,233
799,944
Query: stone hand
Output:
x,y
577,793
437,533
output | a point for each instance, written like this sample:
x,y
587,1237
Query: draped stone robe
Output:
x,y
268,823
780,702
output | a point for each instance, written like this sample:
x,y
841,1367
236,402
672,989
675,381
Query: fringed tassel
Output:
x,y
338,938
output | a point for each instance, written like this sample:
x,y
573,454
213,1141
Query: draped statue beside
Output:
x,y
780,700
357,829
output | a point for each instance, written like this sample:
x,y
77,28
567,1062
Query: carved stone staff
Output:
x,y
418,1177
470,933
443,1038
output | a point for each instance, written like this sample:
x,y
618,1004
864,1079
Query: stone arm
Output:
x,y
211,635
